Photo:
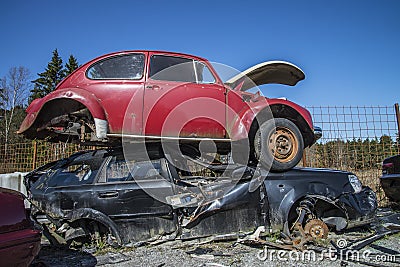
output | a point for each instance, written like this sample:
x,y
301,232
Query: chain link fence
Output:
x,y
355,139
24,157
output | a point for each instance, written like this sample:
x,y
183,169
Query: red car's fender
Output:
x,y
86,98
262,110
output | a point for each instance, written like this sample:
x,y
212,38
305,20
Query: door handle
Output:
x,y
154,87
108,194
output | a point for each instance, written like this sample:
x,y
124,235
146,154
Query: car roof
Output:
x,y
123,52
142,51
134,151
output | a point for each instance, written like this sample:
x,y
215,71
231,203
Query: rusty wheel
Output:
x,y
278,144
283,144
316,228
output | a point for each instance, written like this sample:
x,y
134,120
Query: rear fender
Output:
x,y
59,102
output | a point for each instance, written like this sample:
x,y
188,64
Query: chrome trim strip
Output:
x,y
169,137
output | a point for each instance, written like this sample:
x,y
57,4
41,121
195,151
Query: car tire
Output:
x,y
278,145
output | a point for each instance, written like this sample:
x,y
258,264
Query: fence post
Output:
x,y
396,107
34,155
304,158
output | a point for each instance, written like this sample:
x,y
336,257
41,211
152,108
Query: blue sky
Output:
x,y
349,50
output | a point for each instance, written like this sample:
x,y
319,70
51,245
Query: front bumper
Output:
x,y
317,133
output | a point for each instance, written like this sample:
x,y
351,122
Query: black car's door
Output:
x,y
128,189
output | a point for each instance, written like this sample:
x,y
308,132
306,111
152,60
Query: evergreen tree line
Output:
x,y
356,154
17,90
54,73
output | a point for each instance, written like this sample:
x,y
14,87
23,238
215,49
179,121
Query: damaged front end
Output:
x,y
336,198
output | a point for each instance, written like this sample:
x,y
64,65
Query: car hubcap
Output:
x,y
283,145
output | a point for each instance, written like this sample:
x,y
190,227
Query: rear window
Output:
x,y
129,66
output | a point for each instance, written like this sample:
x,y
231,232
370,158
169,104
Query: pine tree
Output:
x,y
48,80
71,65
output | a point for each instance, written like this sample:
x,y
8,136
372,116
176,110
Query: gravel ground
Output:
x,y
194,253
214,254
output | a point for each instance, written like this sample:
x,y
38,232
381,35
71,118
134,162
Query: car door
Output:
x,y
124,189
182,98
68,185
118,83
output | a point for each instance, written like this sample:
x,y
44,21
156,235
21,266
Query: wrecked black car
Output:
x,y
390,179
135,197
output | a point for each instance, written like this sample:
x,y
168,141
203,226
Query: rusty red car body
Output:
x,y
129,94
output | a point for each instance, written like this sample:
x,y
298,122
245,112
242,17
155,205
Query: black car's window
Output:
x,y
129,66
79,171
119,170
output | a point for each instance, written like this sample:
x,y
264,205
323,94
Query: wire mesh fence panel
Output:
x,y
355,139
15,157
24,157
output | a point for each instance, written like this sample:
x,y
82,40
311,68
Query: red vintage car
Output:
x,y
155,95
19,241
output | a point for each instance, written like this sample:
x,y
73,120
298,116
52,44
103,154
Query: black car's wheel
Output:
x,y
278,144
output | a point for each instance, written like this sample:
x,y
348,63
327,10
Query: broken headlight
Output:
x,y
355,183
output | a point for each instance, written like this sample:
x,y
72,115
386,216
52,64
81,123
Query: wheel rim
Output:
x,y
283,144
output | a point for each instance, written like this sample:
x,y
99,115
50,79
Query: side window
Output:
x,y
120,67
168,68
119,170
78,172
204,74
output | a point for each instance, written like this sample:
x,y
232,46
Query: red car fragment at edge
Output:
x,y
19,241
